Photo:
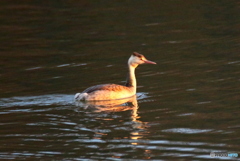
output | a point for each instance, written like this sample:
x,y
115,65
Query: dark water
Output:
x,y
186,107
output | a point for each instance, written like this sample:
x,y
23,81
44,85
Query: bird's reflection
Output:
x,y
128,104
110,105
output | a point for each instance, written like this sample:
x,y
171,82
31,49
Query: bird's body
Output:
x,y
106,92
115,91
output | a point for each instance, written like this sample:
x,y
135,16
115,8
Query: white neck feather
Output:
x,y
131,78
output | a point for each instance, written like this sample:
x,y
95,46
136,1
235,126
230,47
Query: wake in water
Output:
x,y
42,100
46,100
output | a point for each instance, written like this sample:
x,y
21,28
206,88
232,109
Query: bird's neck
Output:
x,y
131,79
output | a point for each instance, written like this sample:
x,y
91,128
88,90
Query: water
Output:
x,y
186,107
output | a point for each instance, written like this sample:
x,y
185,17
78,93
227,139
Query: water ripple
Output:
x,y
42,100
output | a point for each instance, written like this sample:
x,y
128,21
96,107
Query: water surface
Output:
x,y
186,106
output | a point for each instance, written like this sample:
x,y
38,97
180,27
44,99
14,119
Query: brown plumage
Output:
x,y
107,87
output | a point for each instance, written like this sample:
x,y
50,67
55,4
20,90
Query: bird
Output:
x,y
114,91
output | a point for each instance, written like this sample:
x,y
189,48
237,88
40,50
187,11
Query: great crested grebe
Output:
x,y
115,91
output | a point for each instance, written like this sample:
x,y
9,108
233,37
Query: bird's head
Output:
x,y
137,59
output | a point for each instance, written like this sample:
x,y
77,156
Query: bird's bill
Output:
x,y
149,62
